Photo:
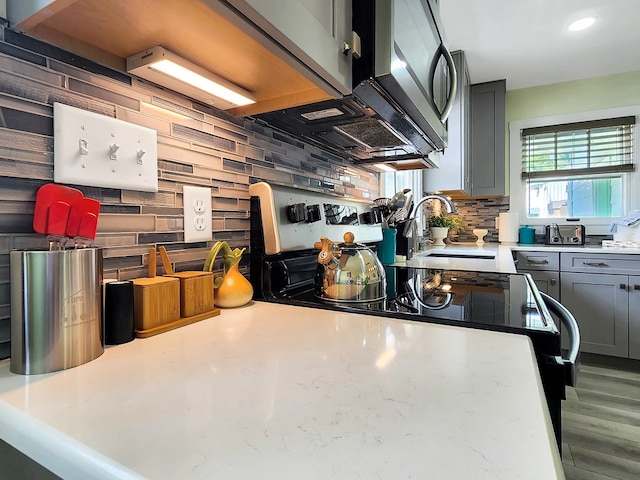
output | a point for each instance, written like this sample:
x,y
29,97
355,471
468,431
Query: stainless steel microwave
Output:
x,y
404,84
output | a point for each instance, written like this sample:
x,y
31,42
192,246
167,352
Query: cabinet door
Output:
x,y
487,138
600,305
313,31
634,317
454,172
547,282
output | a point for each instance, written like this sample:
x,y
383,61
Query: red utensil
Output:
x,y
83,221
46,196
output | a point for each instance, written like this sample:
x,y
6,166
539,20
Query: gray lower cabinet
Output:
x,y
547,282
488,138
634,317
544,269
601,308
602,291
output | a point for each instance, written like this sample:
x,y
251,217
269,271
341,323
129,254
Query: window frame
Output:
x,y
517,185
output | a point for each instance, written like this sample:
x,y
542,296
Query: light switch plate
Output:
x,y
197,214
100,151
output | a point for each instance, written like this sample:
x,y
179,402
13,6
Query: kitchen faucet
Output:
x,y
448,205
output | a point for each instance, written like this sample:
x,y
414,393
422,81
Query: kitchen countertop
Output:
x,y
278,391
503,261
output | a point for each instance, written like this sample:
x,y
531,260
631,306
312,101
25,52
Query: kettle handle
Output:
x,y
325,246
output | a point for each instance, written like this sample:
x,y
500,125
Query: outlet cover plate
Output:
x,y
197,214
100,151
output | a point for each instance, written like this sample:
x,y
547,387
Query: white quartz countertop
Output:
x,y
271,391
501,263
503,260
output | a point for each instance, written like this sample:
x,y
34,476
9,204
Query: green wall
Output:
x,y
619,90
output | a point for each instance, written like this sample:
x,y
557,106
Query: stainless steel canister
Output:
x,y
56,309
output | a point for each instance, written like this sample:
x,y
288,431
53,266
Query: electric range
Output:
x,y
284,268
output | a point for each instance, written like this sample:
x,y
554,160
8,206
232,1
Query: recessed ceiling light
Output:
x,y
582,23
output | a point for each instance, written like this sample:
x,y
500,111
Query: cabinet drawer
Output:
x,y
538,260
600,263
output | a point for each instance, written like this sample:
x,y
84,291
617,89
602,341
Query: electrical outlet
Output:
x,y
197,214
100,151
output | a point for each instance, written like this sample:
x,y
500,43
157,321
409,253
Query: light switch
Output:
x,y
100,151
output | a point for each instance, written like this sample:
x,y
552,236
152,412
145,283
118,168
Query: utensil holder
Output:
x,y
56,309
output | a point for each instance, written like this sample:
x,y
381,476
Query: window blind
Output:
x,y
578,149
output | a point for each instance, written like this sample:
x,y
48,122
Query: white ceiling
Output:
x,y
527,41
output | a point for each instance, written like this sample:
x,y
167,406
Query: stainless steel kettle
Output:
x,y
348,272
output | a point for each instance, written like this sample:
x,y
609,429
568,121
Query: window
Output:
x,y
392,182
575,170
576,166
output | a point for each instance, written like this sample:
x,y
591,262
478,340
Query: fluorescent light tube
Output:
x,y
167,69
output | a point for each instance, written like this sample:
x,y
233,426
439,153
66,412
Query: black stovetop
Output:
x,y
485,300
490,299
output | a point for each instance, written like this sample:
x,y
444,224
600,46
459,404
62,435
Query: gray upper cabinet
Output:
x,y
488,138
474,161
313,31
454,172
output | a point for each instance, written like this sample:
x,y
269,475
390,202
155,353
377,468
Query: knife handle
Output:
x,y
152,262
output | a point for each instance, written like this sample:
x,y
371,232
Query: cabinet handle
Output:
x,y
595,264
623,286
636,287
537,262
553,281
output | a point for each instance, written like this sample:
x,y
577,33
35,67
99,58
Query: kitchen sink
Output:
x,y
457,252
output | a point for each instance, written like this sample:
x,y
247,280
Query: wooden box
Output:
x,y
156,304
196,292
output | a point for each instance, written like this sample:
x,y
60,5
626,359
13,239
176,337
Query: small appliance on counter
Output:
x,y
555,234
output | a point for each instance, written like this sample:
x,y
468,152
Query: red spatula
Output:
x,y
83,221
46,196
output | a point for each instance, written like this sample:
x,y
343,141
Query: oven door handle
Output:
x,y
572,362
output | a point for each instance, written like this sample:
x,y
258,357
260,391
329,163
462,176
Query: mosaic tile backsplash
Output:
x,y
197,145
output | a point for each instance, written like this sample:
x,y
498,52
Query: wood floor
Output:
x,y
601,424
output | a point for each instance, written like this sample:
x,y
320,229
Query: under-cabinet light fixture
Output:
x,y
167,69
384,167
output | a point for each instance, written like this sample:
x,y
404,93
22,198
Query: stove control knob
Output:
x,y
371,217
296,213
313,213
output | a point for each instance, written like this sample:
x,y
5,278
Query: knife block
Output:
x,y
196,292
156,303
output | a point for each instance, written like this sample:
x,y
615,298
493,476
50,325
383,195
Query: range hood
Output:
x,y
404,86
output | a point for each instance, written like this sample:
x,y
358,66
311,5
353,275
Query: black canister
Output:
x,y
118,313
